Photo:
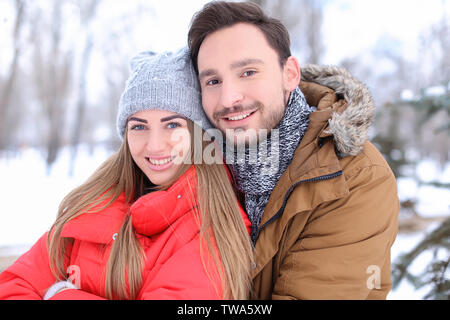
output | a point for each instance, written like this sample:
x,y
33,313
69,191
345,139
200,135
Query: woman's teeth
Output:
x,y
240,117
159,162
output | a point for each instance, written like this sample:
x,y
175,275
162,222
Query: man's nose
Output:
x,y
231,94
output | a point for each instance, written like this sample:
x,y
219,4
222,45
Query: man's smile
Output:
x,y
239,119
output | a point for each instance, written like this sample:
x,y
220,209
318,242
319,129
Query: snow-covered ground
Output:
x,y
30,200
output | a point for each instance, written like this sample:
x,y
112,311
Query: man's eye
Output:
x,y
212,82
248,73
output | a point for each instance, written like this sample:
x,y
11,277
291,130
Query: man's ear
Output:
x,y
291,74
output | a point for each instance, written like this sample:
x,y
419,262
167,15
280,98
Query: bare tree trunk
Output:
x,y
5,98
116,84
81,105
52,107
52,72
88,11
442,34
303,19
313,31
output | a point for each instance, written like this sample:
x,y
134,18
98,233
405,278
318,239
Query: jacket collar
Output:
x,y
98,227
345,112
151,213
156,211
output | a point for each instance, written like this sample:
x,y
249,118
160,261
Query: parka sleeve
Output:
x,y
344,249
30,276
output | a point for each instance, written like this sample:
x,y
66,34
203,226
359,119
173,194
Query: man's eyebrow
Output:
x,y
173,117
137,119
207,73
245,62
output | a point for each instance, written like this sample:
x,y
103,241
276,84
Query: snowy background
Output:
x,y
354,34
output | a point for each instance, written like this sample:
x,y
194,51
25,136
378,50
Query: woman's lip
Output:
x,y
158,157
163,167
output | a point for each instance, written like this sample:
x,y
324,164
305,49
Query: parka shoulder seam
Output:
x,y
355,171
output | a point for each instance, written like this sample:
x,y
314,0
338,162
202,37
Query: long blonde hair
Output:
x,y
217,206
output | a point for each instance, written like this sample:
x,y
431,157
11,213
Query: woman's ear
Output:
x,y
291,74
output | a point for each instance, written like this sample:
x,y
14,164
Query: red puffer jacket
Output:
x,y
168,231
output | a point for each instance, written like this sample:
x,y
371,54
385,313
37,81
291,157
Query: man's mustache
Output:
x,y
236,109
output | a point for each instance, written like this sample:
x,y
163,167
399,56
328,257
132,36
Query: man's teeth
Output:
x,y
160,162
240,117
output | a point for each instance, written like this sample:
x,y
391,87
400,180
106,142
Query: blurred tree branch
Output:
x,y
303,19
52,72
435,274
7,90
88,10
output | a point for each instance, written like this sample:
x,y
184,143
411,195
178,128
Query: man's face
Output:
x,y
244,87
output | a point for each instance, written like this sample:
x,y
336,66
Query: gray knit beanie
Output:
x,y
164,81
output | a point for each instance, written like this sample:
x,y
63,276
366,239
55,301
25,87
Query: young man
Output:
x,y
324,219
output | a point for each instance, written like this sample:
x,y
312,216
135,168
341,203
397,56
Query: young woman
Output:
x,y
150,223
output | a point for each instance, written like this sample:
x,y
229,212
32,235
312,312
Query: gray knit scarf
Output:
x,y
257,171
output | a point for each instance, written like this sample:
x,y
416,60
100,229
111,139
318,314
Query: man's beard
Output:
x,y
269,121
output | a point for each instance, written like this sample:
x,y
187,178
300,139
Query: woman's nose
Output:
x,y
156,143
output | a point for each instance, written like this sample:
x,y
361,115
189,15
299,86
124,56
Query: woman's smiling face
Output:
x,y
159,142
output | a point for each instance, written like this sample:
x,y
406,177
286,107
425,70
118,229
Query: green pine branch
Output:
x,y
435,273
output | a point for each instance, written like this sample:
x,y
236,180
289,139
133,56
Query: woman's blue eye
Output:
x,y
173,125
138,127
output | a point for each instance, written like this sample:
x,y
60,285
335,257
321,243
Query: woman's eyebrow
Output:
x,y
173,117
137,119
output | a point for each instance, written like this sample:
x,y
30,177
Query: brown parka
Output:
x,y
331,220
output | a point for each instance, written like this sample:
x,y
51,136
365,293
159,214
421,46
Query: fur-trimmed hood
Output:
x,y
349,128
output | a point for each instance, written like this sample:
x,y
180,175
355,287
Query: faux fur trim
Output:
x,y
350,128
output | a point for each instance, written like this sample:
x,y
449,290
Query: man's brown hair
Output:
x,y
216,15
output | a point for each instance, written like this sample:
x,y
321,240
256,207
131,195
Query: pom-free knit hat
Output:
x,y
164,81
